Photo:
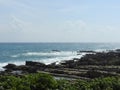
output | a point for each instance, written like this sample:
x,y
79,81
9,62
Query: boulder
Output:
x,y
10,67
35,64
86,51
56,50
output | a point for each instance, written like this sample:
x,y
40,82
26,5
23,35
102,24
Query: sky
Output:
x,y
59,20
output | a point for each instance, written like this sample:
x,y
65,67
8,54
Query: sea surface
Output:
x,y
18,53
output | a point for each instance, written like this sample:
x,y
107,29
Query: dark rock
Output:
x,y
117,50
98,58
23,68
52,65
10,66
56,50
76,59
86,51
58,71
93,74
27,69
17,72
108,58
69,63
34,64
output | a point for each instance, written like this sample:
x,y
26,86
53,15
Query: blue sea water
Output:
x,y
18,53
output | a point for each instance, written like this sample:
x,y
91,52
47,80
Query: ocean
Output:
x,y
18,53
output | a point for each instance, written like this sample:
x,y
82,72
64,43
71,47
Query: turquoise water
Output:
x,y
18,53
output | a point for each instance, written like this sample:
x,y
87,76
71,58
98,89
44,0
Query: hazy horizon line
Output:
x,y
61,42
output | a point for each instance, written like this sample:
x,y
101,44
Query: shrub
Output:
x,y
47,82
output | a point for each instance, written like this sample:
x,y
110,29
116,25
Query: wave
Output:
x,y
49,53
14,56
104,50
101,50
62,53
52,53
59,56
45,61
60,59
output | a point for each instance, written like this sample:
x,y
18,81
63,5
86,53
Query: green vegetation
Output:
x,y
42,81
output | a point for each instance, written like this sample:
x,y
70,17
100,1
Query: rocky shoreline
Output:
x,y
92,65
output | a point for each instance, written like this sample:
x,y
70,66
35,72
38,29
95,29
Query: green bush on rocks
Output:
x,y
42,81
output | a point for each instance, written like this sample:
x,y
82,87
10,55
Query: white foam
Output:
x,y
66,53
18,62
101,50
62,53
59,56
2,65
14,62
60,59
14,56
